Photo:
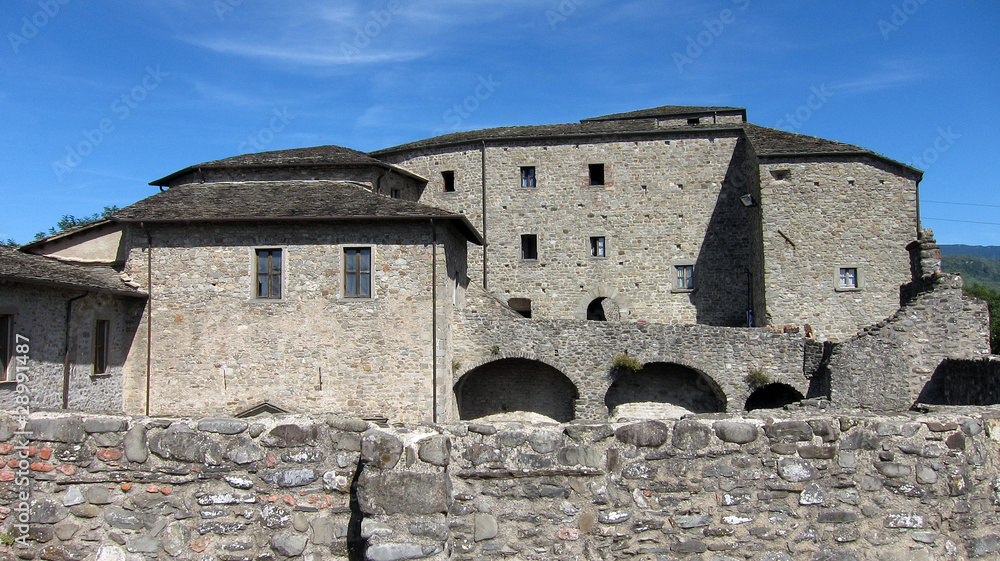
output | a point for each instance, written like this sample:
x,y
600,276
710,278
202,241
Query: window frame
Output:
x,y
598,251
691,278
256,272
838,277
533,239
592,174
344,280
449,181
6,345
102,346
529,174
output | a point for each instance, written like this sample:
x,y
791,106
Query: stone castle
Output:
x,y
648,264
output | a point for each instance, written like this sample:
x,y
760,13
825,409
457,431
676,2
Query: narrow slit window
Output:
x,y
528,176
597,246
358,272
269,273
102,336
529,246
597,174
5,345
395,194
448,177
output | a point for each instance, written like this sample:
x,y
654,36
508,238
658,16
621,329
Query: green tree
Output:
x,y
9,242
992,297
69,221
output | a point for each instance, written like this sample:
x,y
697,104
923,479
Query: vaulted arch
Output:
x,y
773,396
516,384
664,389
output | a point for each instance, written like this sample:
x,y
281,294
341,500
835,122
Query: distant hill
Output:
x,y
974,269
983,251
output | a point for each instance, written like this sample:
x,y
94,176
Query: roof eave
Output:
x,y
72,286
831,153
166,181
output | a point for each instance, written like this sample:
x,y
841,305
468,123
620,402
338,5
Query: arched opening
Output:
x,y
516,384
773,396
664,390
603,309
595,311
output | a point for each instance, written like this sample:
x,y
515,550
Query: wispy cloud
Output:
x,y
305,56
894,74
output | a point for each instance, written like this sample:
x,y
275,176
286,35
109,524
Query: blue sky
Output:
x,y
100,98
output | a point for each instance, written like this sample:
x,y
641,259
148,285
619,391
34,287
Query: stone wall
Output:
x,y
820,215
40,314
891,363
814,483
218,349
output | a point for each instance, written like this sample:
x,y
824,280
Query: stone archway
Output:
x,y
602,300
664,390
516,384
773,396
603,309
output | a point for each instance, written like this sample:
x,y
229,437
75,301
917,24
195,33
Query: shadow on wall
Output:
x,y
963,382
516,384
773,396
684,389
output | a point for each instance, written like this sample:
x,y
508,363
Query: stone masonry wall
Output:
x,y
829,214
666,201
809,484
39,314
218,349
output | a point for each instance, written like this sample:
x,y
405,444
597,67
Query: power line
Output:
x,y
962,204
965,221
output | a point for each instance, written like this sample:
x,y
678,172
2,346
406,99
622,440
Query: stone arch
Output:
x,y
603,309
773,396
516,384
664,389
614,306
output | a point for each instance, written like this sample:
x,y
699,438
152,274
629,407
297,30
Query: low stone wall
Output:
x,y
813,483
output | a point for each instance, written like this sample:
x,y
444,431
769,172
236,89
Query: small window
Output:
x,y
528,176
597,174
597,246
685,277
269,273
5,345
102,336
694,121
529,246
448,177
521,306
848,278
358,272
781,174
395,194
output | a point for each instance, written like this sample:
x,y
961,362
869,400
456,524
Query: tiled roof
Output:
x,y
580,130
666,111
315,156
22,267
280,200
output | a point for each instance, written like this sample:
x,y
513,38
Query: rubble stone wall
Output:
x,y
814,483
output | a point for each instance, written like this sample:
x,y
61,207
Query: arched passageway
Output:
x,y
516,384
773,396
664,390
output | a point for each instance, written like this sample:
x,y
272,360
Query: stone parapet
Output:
x,y
810,483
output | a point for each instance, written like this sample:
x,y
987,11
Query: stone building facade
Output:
x,y
515,269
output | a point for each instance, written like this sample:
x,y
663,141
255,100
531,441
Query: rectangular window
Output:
x,y
5,345
529,246
448,177
848,277
357,272
528,176
395,194
597,174
685,277
102,336
269,273
597,246
694,121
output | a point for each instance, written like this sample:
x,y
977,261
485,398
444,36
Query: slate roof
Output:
x,y
281,201
667,111
27,268
329,155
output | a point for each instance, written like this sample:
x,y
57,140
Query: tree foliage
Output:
x,y
992,297
69,221
974,270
